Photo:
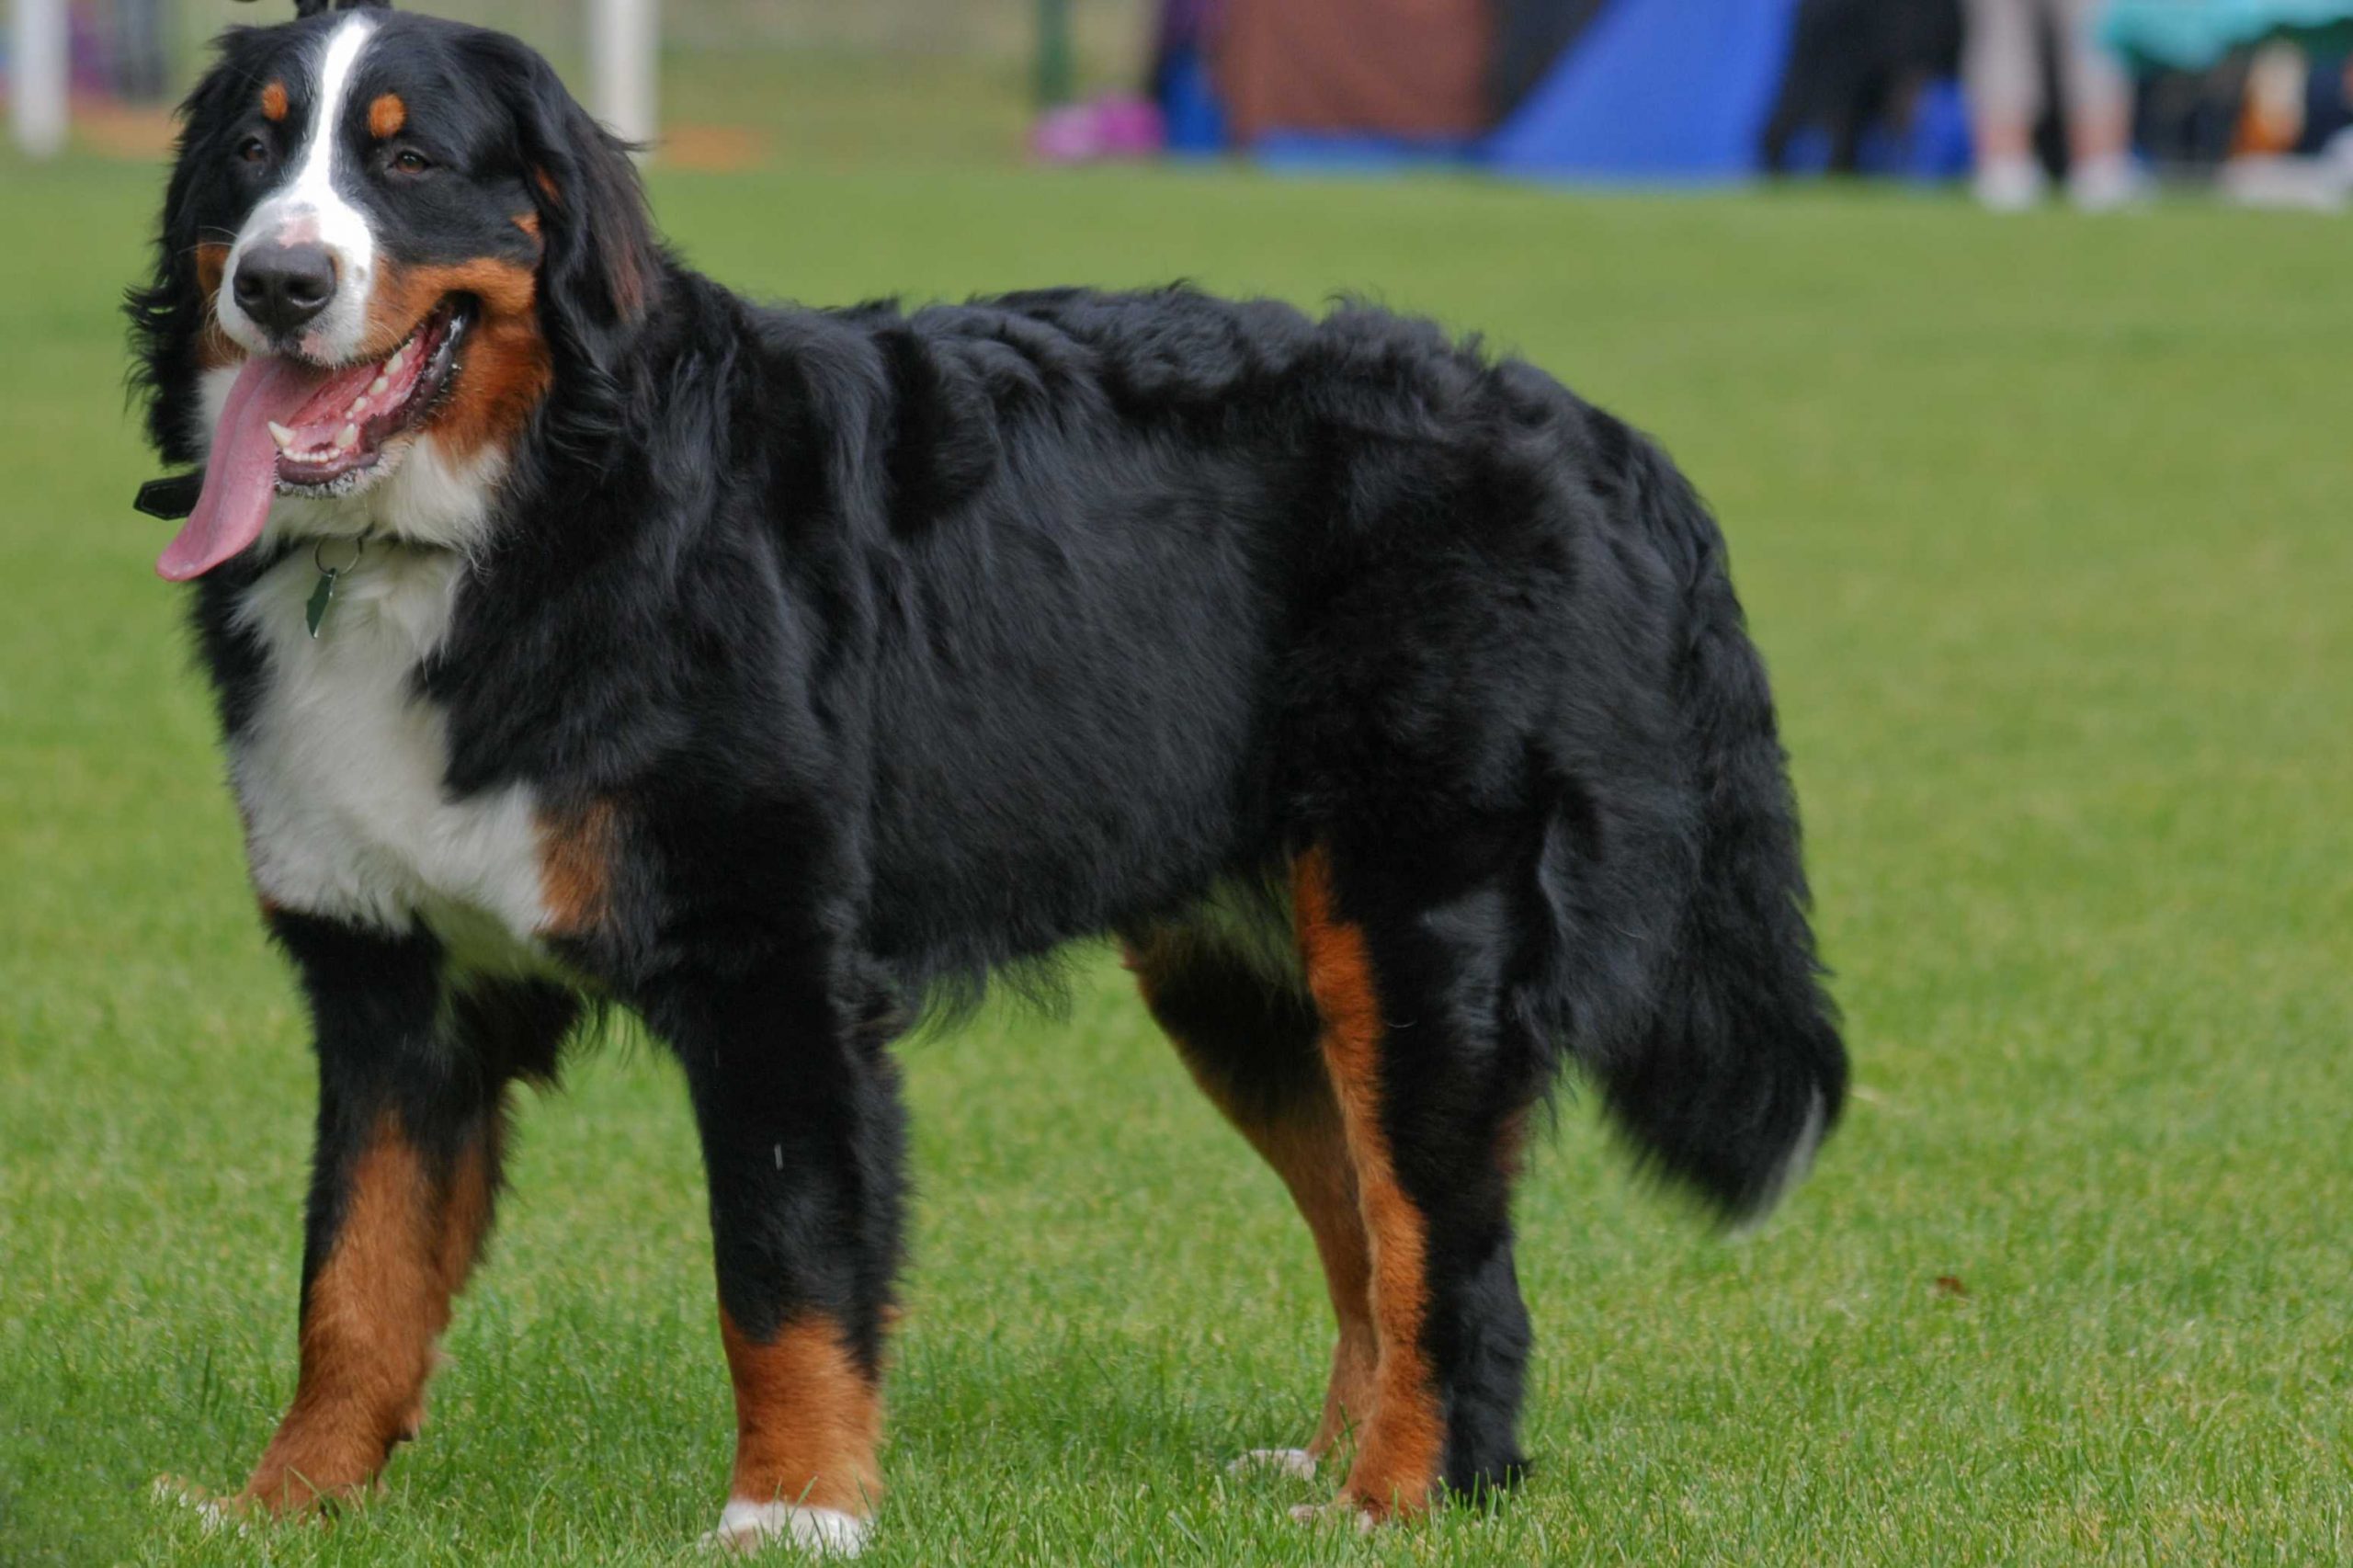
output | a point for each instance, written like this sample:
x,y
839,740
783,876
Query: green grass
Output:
x,y
2043,527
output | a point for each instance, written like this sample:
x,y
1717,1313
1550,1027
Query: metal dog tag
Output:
x,y
315,612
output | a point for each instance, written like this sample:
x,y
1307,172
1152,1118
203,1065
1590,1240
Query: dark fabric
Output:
x,y
1529,35
1854,64
2328,103
1414,69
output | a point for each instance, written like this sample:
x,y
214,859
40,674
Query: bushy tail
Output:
x,y
1740,1070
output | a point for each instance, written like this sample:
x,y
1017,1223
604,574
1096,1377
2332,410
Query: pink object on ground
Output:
x,y
1114,126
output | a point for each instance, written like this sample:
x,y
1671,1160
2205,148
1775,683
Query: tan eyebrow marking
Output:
x,y
386,116
273,101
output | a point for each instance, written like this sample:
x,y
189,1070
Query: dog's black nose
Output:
x,y
283,285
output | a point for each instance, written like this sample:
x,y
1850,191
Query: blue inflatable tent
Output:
x,y
1654,90
1642,92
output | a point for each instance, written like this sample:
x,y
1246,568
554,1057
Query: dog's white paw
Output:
x,y
1295,1463
1326,1514
209,1511
748,1527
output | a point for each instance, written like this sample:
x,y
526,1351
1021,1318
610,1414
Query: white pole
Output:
x,y
39,64
624,45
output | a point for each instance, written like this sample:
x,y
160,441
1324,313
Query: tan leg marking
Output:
x,y
375,1308
1400,1450
807,1420
1312,1156
1308,1149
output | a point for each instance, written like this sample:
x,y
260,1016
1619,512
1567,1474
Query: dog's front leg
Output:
x,y
412,1075
802,1142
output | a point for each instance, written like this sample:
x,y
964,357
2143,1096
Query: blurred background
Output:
x,y
2101,99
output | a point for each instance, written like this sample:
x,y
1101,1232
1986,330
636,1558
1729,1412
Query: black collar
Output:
x,y
171,498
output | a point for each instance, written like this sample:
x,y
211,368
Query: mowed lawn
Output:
x,y
2046,526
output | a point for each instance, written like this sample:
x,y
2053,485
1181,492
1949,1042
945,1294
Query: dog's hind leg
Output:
x,y
1239,1015
413,1076
1406,968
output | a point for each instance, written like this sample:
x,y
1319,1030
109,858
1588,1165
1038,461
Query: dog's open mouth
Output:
x,y
295,428
341,431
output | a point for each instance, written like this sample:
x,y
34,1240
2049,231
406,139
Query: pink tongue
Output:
x,y
243,469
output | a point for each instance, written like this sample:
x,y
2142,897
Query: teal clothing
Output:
x,y
2190,35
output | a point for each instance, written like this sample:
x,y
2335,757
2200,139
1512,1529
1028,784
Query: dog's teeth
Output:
x,y
400,358
282,435
376,388
346,437
356,405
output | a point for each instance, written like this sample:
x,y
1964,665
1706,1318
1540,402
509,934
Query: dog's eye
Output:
x,y
253,150
409,161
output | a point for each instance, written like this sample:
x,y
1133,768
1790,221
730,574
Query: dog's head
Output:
x,y
386,241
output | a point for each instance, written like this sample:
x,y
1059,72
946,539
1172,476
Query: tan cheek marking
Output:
x,y
1398,1459
506,375
213,349
404,296
575,867
807,1421
386,116
273,102
528,222
212,264
506,367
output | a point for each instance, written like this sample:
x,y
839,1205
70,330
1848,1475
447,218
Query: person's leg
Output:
x,y
2002,72
139,41
2099,111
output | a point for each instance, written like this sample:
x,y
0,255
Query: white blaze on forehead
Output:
x,y
309,209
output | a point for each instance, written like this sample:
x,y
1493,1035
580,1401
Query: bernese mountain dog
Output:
x,y
586,635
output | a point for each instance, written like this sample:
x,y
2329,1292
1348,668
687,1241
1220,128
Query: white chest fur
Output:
x,y
341,770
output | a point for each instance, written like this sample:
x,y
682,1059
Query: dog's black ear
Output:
x,y
170,312
603,265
